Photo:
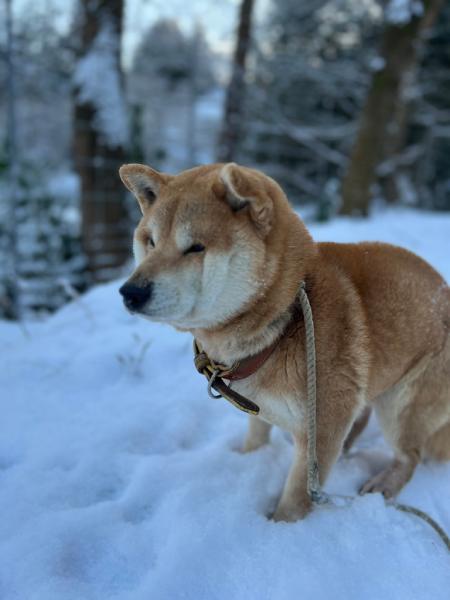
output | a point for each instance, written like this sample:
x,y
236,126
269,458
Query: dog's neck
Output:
x,y
236,340
267,317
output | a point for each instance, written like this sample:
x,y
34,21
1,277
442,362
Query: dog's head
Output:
x,y
202,247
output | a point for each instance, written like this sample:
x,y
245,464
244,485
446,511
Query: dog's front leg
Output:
x,y
334,421
295,503
258,434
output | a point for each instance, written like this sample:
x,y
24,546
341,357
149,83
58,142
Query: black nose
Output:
x,y
135,296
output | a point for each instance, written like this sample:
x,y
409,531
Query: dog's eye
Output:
x,y
151,243
149,194
195,248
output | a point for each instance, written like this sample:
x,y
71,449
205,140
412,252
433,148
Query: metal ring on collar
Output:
x,y
211,382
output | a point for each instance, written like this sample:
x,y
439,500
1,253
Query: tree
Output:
x,y
428,141
10,294
100,137
43,60
380,128
40,261
232,125
311,69
49,264
170,72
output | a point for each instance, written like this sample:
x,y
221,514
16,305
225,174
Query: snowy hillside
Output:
x,y
120,478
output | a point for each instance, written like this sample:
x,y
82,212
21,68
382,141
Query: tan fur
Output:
x,y
381,314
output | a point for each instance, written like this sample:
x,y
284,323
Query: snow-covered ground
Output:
x,y
120,478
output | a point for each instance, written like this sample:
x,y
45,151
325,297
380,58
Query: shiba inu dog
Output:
x,y
219,252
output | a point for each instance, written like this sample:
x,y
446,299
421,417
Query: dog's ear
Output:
x,y
248,188
144,182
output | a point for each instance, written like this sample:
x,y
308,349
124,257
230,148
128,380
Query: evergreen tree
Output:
x,y
382,120
40,260
49,262
170,72
312,65
427,152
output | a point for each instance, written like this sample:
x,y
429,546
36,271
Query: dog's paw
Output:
x,y
251,446
290,514
383,483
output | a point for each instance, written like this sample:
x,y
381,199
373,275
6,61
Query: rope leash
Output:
x,y
412,510
315,492
313,481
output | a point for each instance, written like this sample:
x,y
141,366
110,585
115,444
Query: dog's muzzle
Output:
x,y
136,296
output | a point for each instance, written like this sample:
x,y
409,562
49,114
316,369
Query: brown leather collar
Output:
x,y
216,373
241,369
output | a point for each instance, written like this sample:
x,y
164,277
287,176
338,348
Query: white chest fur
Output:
x,y
285,411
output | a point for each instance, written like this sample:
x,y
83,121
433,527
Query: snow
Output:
x,y
120,478
98,80
400,12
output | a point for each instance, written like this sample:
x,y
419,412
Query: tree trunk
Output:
x,y
388,171
105,220
399,55
9,288
232,126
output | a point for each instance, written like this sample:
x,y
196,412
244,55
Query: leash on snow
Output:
x,y
317,495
